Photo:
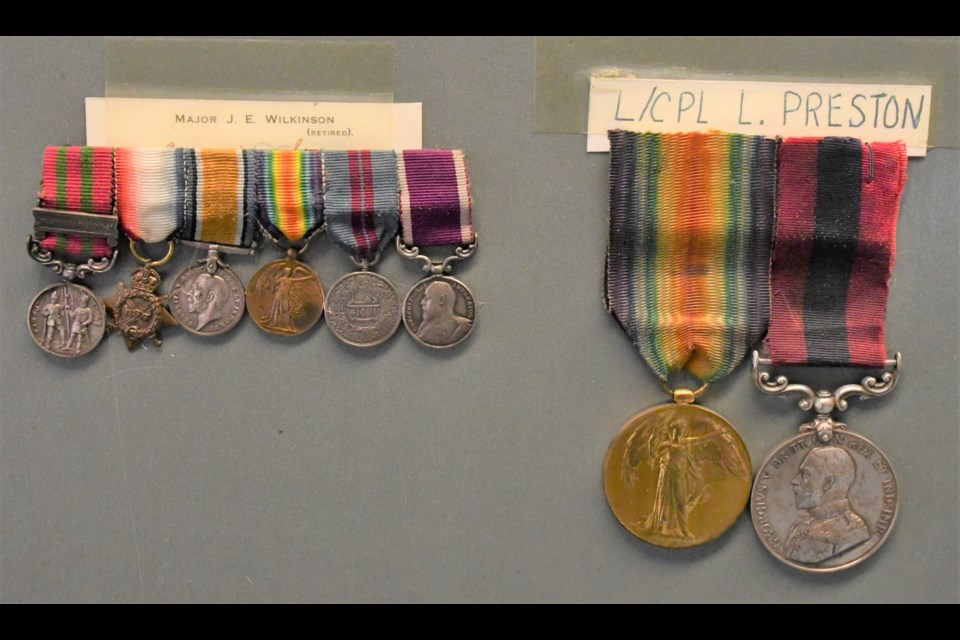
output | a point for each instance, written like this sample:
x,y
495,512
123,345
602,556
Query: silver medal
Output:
x,y
439,312
826,499
362,309
67,320
207,299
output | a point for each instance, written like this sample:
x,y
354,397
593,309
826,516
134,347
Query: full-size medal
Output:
x,y
285,297
361,209
691,217
219,216
826,499
436,208
75,234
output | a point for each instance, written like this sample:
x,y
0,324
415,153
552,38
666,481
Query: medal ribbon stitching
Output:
x,y
289,194
150,193
691,217
361,200
77,179
218,208
834,253
436,207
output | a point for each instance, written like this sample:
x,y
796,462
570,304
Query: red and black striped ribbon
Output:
x,y
834,250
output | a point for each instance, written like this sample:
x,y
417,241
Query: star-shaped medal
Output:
x,y
137,312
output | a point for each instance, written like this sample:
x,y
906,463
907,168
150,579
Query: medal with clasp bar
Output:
x,y
686,279
150,197
361,211
285,297
208,299
436,209
75,234
827,498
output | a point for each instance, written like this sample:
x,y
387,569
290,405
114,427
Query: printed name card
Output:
x,y
135,122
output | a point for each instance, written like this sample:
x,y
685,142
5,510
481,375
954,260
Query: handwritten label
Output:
x,y
874,113
135,122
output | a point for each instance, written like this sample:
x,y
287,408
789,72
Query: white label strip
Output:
x,y
873,113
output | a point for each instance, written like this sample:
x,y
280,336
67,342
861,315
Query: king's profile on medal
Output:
x,y
829,525
441,326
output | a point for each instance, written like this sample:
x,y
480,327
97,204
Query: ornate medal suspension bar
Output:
x,y
826,499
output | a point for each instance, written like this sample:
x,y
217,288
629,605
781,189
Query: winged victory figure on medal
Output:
x,y
685,456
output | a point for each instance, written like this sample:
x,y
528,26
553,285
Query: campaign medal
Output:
x,y
826,499
75,234
361,210
436,209
150,199
691,217
285,297
219,215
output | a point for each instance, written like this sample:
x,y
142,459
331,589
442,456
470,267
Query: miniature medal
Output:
x,y
827,498
219,215
150,197
75,233
436,209
686,278
137,311
285,297
361,209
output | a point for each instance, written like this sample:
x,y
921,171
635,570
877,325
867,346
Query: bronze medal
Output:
x,y
285,297
677,475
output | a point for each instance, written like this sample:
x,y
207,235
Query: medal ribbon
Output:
x,y
835,248
435,203
150,192
220,201
691,218
77,179
289,194
361,200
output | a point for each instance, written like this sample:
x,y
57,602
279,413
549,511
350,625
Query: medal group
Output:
x,y
722,243
225,201
719,244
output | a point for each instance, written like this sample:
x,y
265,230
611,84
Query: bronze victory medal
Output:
x,y
363,309
67,320
677,475
824,506
285,297
439,312
207,304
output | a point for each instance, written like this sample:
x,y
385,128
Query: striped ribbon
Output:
x,y
835,249
150,193
289,194
435,203
361,200
77,179
691,218
220,202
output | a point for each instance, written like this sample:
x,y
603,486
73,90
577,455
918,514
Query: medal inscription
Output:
x,y
67,320
677,475
207,304
824,506
285,297
363,309
439,312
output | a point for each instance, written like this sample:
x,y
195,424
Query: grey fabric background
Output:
x,y
253,468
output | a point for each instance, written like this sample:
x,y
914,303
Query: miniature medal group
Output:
x,y
703,227
225,201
